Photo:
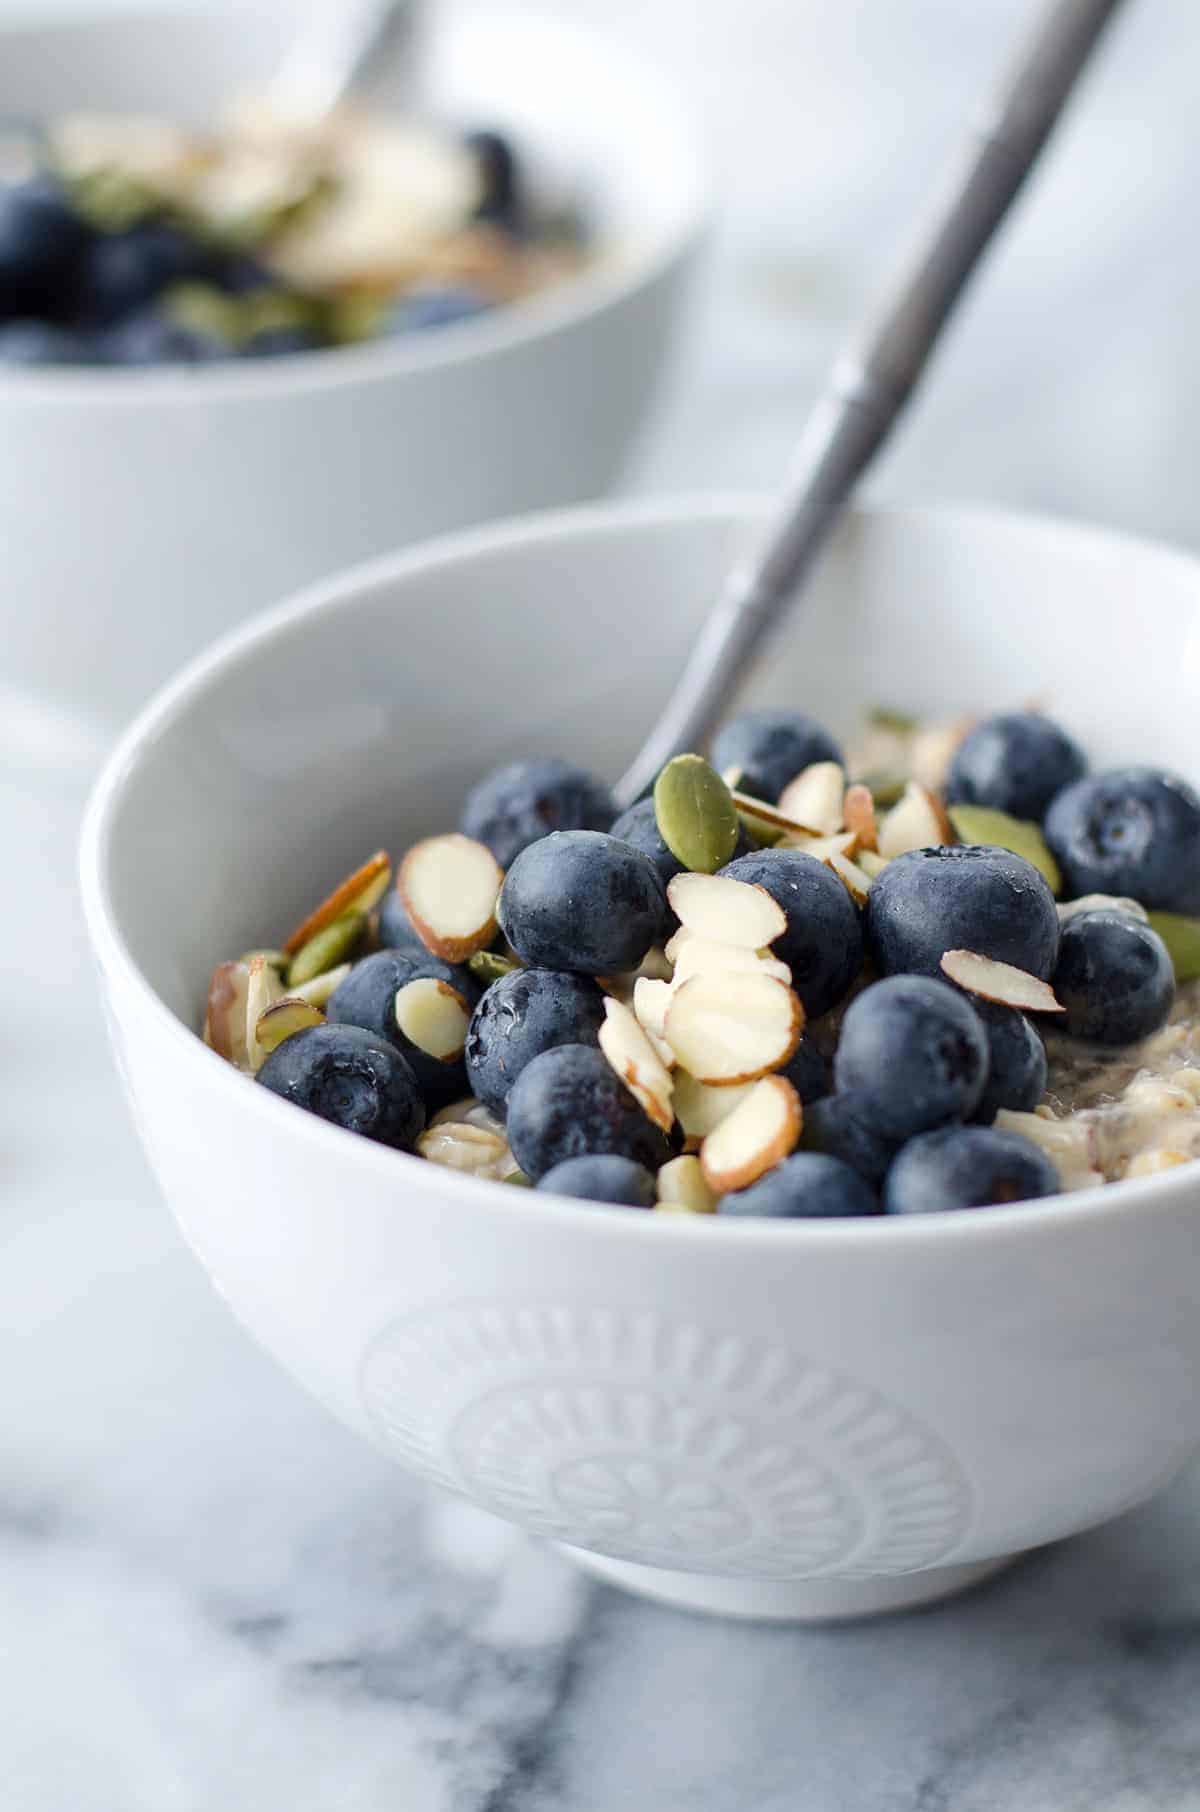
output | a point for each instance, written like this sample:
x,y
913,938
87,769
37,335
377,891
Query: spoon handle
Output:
x,y
873,377
341,44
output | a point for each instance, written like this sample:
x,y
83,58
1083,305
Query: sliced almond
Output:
x,y
700,1108
871,862
817,796
725,910
917,822
1102,902
433,1016
727,1027
999,982
225,1021
750,807
359,892
650,1002
321,989
760,1132
283,1021
843,843
859,813
636,1062
683,1189
450,886
933,748
856,880
264,986
698,955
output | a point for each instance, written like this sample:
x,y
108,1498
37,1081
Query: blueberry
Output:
x,y
639,826
808,1071
123,271
771,748
42,243
1015,764
41,343
914,1054
238,274
435,307
1133,832
350,1077
823,942
1016,1062
603,1179
501,200
569,1103
151,338
840,1126
521,1015
807,1186
367,998
1114,977
516,805
967,1167
396,930
971,897
583,901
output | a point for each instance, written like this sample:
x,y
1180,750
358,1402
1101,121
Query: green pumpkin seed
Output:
x,y
1182,937
900,723
284,1020
326,948
982,824
696,816
488,966
519,1178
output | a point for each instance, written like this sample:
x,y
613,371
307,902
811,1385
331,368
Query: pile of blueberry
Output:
x,y
752,993
161,290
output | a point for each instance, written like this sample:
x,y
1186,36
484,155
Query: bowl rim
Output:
x,y
615,277
1031,1220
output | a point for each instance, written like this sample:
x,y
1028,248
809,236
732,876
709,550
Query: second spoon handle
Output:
x,y
874,376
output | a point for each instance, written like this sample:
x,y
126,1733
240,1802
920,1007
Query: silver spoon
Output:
x,y
342,47
873,378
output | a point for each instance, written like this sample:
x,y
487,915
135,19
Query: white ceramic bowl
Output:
x,y
144,512
774,1418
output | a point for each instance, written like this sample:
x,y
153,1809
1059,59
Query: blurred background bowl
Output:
x,y
142,512
812,1419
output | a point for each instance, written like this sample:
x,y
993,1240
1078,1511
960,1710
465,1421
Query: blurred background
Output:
x,y
212,1597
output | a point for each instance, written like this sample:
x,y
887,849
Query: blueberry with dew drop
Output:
x,y
1134,832
913,1052
967,1167
570,1103
806,1186
823,942
769,748
965,897
521,1015
1115,978
515,805
367,998
396,930
350,1077
1014,763
583,901
1016,1077
605,1178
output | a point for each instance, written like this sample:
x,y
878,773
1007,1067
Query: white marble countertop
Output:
x,y
215,1600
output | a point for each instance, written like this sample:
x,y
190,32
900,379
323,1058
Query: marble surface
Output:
x,y
215,1600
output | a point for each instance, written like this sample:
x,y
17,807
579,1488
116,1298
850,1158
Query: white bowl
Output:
x,y
774,1418
144,512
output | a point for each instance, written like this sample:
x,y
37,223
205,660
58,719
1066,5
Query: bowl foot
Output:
x,y
788,1600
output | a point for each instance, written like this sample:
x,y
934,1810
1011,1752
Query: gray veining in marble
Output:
x,y
214,1600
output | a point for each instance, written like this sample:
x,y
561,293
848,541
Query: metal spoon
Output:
x,y
342,47
873,378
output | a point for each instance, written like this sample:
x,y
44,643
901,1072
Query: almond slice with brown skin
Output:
x,y
284,1020
225,1019
1002,983
727,1027
700,1108
725,910
817,796
359,892
433,1016
757,1135
859,811
871,863
650,1002
683,1189
856,880
751,807
450,885
918,821
636,1062
264,987
699,955
842,843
